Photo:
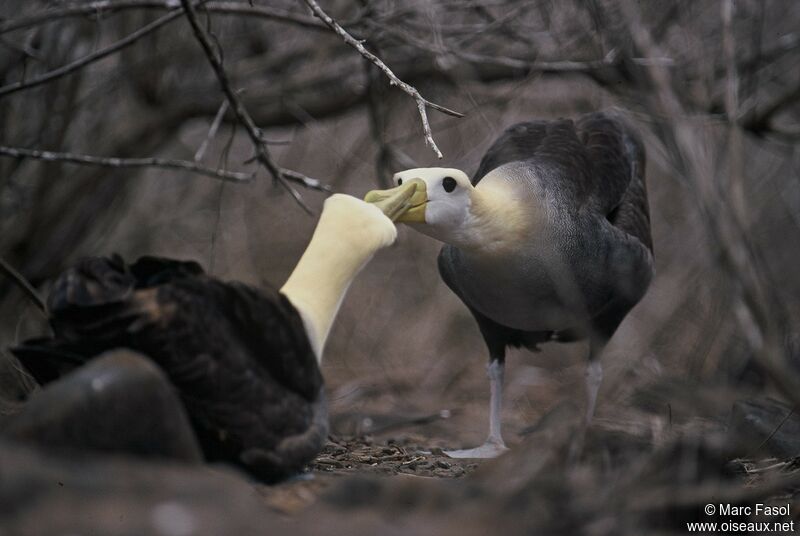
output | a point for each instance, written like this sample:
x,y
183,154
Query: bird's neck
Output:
x,y
348,234
496,220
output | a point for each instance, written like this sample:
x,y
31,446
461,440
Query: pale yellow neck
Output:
x,y
348,234
497,219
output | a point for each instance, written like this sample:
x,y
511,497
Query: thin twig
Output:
x,y
554,66
377,122
774,431
49,156
103,7
734,175
411,91
758,305
23,285
21,48
558,66
729,48
786,43
305,180
93,57
242,115
223,160
760,121
212,131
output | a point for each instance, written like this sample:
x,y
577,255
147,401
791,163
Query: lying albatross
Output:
x,y
245,361
550,241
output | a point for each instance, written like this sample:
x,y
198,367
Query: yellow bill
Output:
x,y
405,203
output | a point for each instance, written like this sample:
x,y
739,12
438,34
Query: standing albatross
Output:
x,y
244,361
550,241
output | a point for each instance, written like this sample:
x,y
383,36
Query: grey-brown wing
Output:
x,y
551,145
518,142
618,189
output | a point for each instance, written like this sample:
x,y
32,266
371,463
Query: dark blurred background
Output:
x,y
713,88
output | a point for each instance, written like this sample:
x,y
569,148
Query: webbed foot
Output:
x,y
490,449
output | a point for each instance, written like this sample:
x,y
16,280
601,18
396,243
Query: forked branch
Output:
x,y
113,162
243,116
422,103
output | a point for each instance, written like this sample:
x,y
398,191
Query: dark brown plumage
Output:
x,y
239,357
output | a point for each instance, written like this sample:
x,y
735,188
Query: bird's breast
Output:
x,y
537,288
507,289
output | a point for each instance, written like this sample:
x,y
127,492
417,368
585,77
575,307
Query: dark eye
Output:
x,y
449,184
399,182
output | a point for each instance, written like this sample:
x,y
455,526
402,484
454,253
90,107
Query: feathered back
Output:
x,y
239,357
173,312
596,162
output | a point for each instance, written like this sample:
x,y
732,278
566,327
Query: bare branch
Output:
x,y
305,180
377,122
735,178
23,285
242,115
22,48
760,120
739,257
212,131
411,91
564,66
168,163
786,134
93,57
108,7
786,43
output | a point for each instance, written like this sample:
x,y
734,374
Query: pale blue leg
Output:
x,y
494,445
594,377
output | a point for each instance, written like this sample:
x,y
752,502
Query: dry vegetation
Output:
x,y
209,134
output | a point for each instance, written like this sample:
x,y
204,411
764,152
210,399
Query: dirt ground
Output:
x,y
403,456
